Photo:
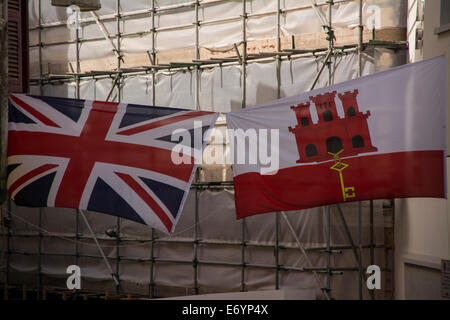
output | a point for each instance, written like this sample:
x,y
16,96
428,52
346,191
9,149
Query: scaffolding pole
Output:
x,y
330,38
360,48
360,263
243,263
360,37
197,57
244,55
195,259
372,243
39,262
263,57
277,214
119,99
108,265
41,71
153,54
248,243
327,61
328,240
152,266
178,27
352,243
197,107
153,62
303,251
277,251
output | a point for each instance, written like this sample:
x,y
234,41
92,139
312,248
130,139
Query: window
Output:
x,y
18,46
444,24
357,142
445,12
351,112
334,144
304,121
327,116
311,150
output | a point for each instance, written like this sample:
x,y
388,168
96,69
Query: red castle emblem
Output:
x,y
331,134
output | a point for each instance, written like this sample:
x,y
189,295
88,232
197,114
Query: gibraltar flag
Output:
x,y
378,136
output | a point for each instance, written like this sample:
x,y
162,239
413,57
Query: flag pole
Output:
x,y
108,265
302,249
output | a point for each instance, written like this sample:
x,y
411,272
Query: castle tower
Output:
x,y
325,106
349,103
357,127
305,134
302,113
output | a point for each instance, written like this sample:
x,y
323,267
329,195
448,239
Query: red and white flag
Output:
x,y
378,136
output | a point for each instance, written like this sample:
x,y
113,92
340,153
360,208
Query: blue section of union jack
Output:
x,y
100,156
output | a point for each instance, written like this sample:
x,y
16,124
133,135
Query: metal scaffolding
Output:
x,y
242,58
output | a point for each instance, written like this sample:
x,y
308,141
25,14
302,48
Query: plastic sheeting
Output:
x,y
220,87
298,18
216,222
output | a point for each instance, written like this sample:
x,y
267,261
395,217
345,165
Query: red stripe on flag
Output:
x,y
28,176
163,122
34,112
392,175
147,199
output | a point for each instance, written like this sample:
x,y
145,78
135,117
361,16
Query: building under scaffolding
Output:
x,y
217,56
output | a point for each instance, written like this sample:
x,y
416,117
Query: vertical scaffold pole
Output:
x,y
360,269
372,244
119,99
330,82
77,57
39,258
278,57
39,271
119,54
195,259
41,71
360,39
360,48
153,62
197,107
277,250
277,214
244,102
330,38
243,245
152,266
153,54
197,57
244,54
328,235
77,96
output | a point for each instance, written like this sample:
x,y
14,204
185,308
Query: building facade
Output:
x,y
422,229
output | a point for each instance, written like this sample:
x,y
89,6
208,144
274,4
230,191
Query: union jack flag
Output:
x,y
107,157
